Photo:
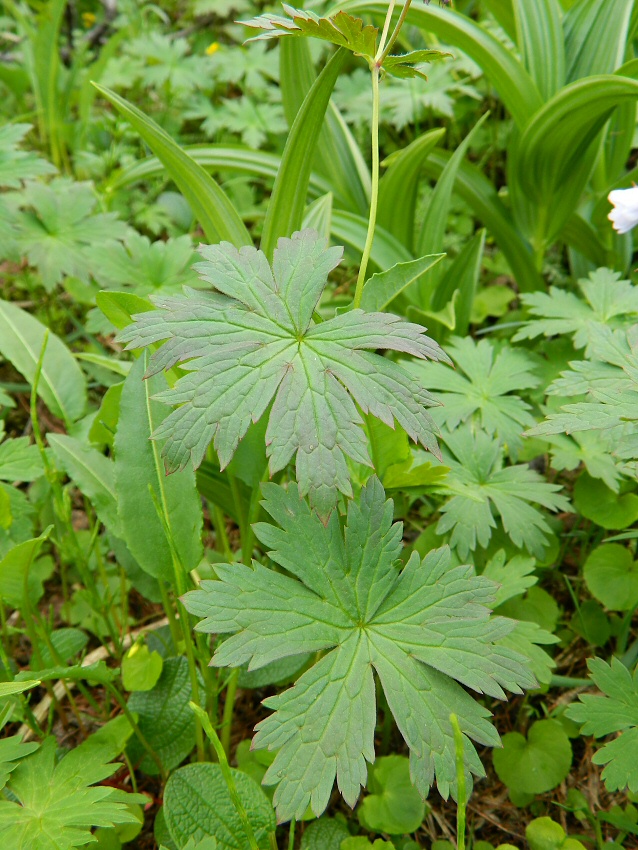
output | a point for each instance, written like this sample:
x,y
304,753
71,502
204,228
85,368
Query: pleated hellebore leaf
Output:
x,y
426,631
252,342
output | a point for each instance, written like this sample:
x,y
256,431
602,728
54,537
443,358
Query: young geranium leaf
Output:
x,y
615,711
423,630
253,342
480,486
483,386
341,29
56,805
403,66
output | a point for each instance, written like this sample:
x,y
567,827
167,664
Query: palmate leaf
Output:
x,y
609,380
253,341
425,631
17,165
58,804
480,487
608,302
616,711
344,31
483,386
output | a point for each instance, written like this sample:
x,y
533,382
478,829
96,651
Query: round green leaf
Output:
x,y
591,623
611,575
598,503
324,834
394,806
537,764
197,804
140,668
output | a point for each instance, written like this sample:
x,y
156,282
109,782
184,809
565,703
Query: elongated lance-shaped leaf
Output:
x,y
423,630
539,33
252,342
210,204
288,200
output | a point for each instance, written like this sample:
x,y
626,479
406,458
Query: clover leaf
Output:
x,y
424,630
253,342
615,711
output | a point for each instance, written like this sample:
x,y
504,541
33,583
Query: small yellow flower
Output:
x,y
88,19
212,48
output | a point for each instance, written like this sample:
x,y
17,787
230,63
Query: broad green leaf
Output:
x,y
62,386
595,501
536,764
142,486
16,574
92,473
215,813
59,804
479,486
20,460
164,717
546,834
284,213
611,575
141,668
399,184
595,41
539,33
324,834
380,289
12,750
66,643
485,387
97,673
253,341
615,711
210,204
119,307
278,672
537,606
10,688
420,629
513,83
393,804
318,216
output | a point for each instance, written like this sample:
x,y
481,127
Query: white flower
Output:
x,y
625,213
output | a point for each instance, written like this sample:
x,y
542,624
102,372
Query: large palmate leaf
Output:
x,y
424,630
15,164
253,341
483,386
58,804
615,711
608,302
480,487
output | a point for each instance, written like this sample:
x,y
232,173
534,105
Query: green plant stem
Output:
x,y
117,696
170,615
291,835
229,708
227,774
460,783
395,34
374,193
569,682
221,537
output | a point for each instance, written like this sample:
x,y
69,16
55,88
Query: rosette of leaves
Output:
x,y
425,630
344,31
253,344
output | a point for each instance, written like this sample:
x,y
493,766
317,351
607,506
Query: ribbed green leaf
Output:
x,y
515,86
210,204
503,12
398,186
477,191
318,215
381,289
539,34
461,276
226,157
338,157
580,235
555,143
595,37
288,200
